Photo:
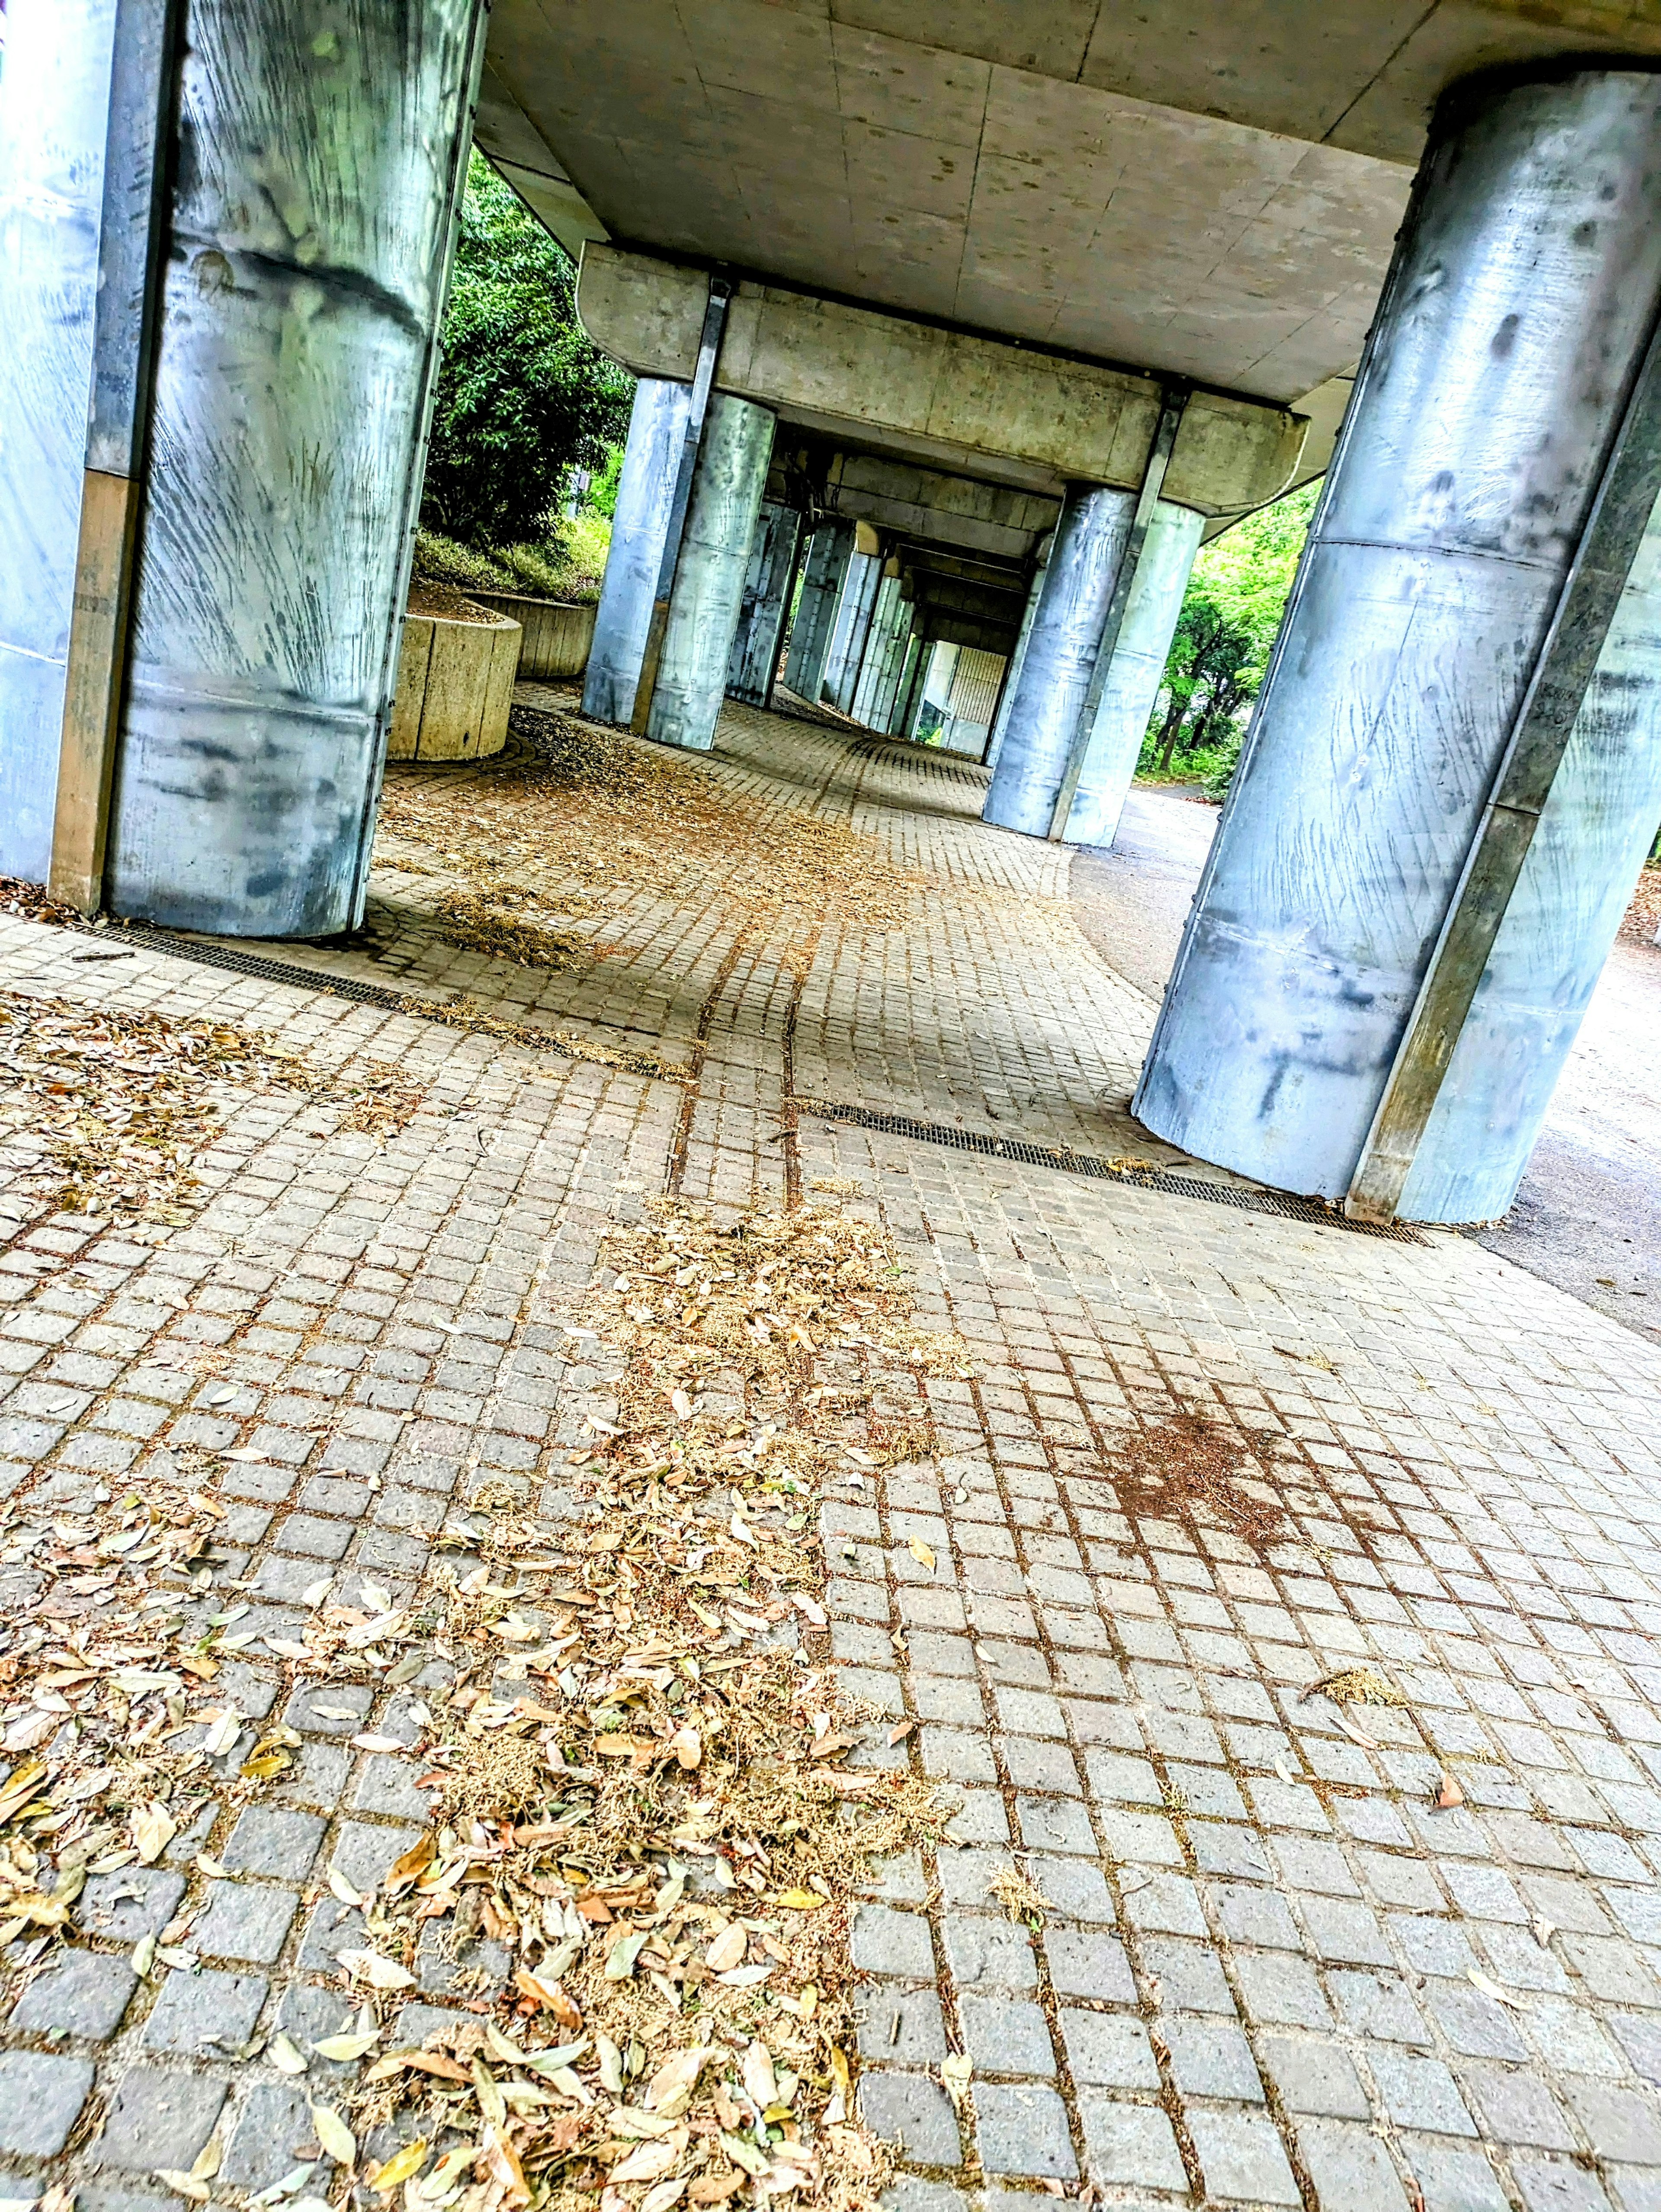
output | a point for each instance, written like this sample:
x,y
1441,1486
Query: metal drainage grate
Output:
x,y
1254,1200
243,964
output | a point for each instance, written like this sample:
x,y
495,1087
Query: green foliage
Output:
x,y
1224,635
523,398
603,491
568,566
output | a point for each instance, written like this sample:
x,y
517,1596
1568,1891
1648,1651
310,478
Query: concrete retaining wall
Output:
x,y
558,636
455,684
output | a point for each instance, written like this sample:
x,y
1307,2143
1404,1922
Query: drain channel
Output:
x,y
1067,1161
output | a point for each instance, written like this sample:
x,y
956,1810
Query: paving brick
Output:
x,y
1006,2035
161,2116
1242,2157
1350,2169
82,1993
1129,2146
209,2012
914,2113
1021,2128
245,1920
40,2099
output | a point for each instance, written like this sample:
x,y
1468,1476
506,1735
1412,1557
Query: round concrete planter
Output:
x,y
455,684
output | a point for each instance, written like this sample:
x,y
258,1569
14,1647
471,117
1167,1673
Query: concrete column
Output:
x,y
1521,302
1001,720
714,557
762,607
54,117
891,613
322,154
1060,658
1135,674
828,557
908,690
657,431
851,630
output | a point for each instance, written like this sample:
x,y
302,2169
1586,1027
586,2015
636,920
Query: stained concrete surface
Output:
x,y
1588,1216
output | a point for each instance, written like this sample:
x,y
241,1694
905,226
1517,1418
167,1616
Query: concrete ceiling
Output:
x,y
1207,187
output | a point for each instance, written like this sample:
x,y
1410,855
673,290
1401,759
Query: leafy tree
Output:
x,y
523,398
1225,632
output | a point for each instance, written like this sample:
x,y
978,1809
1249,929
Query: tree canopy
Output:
x,y
523,398
1224,636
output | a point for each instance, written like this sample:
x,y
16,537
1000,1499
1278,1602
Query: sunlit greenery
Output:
x,y
1224,637
524,400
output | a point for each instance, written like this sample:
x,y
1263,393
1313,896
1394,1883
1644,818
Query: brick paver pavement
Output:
x,y
1270,1971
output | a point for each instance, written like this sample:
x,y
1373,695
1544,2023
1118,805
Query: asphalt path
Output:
x,y
1588,1215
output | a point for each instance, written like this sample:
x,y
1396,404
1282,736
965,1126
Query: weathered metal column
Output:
x,y
851,630
1134,674
1060,658
869,691
54,118
321,152
646,487
1001,720
1453,766
762,606
708,588
828,557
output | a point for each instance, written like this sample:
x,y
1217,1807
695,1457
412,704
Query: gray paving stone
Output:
x,y
1550,2187
983,1950
84,1993
913,2112
1620,2124
262,2143
900,2027
1453,2180
1109,2050
127,1907
41,2094
245,1920
1005,2035
1211,2058
1129,2146
267,1840
1517,2108
1189,1977
160,2116
886,1941
1350,2168
1085,1964
210,2011
1242,2157
1022,2128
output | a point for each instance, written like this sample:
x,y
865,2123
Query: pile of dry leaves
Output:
x,y
106,1110
599,812
638,1766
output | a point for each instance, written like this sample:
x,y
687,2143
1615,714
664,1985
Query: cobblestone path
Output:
x,y
1270,1971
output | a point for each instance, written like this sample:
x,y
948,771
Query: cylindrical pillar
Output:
x,y
54,116
1001,720
728,485
762,603
869,690
320,155
645,485
906,690
1060,658
851,630
828,557
1523,296
1135,674
1562,920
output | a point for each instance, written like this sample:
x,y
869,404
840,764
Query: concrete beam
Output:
x,y
929,505
943,392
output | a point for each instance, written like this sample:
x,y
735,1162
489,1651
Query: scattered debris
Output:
x,y
1191,1470
1019,1896
1355,1685
1448,1793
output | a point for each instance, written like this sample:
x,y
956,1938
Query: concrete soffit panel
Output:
x,y
518,152
885,379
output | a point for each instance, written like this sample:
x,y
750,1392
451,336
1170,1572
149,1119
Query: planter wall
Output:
x,y
558,637
455,684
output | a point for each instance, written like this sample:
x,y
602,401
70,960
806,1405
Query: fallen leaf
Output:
x,y
1448,1793
682,1404
380,1972
333,2132
501,2164
650,2163
901,1729
153,1829
400,2167
802,1900
921,1554
552,1994
687,1745
727,1949
760,2080
1490,1988
620,1959
956,2074
348,2046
